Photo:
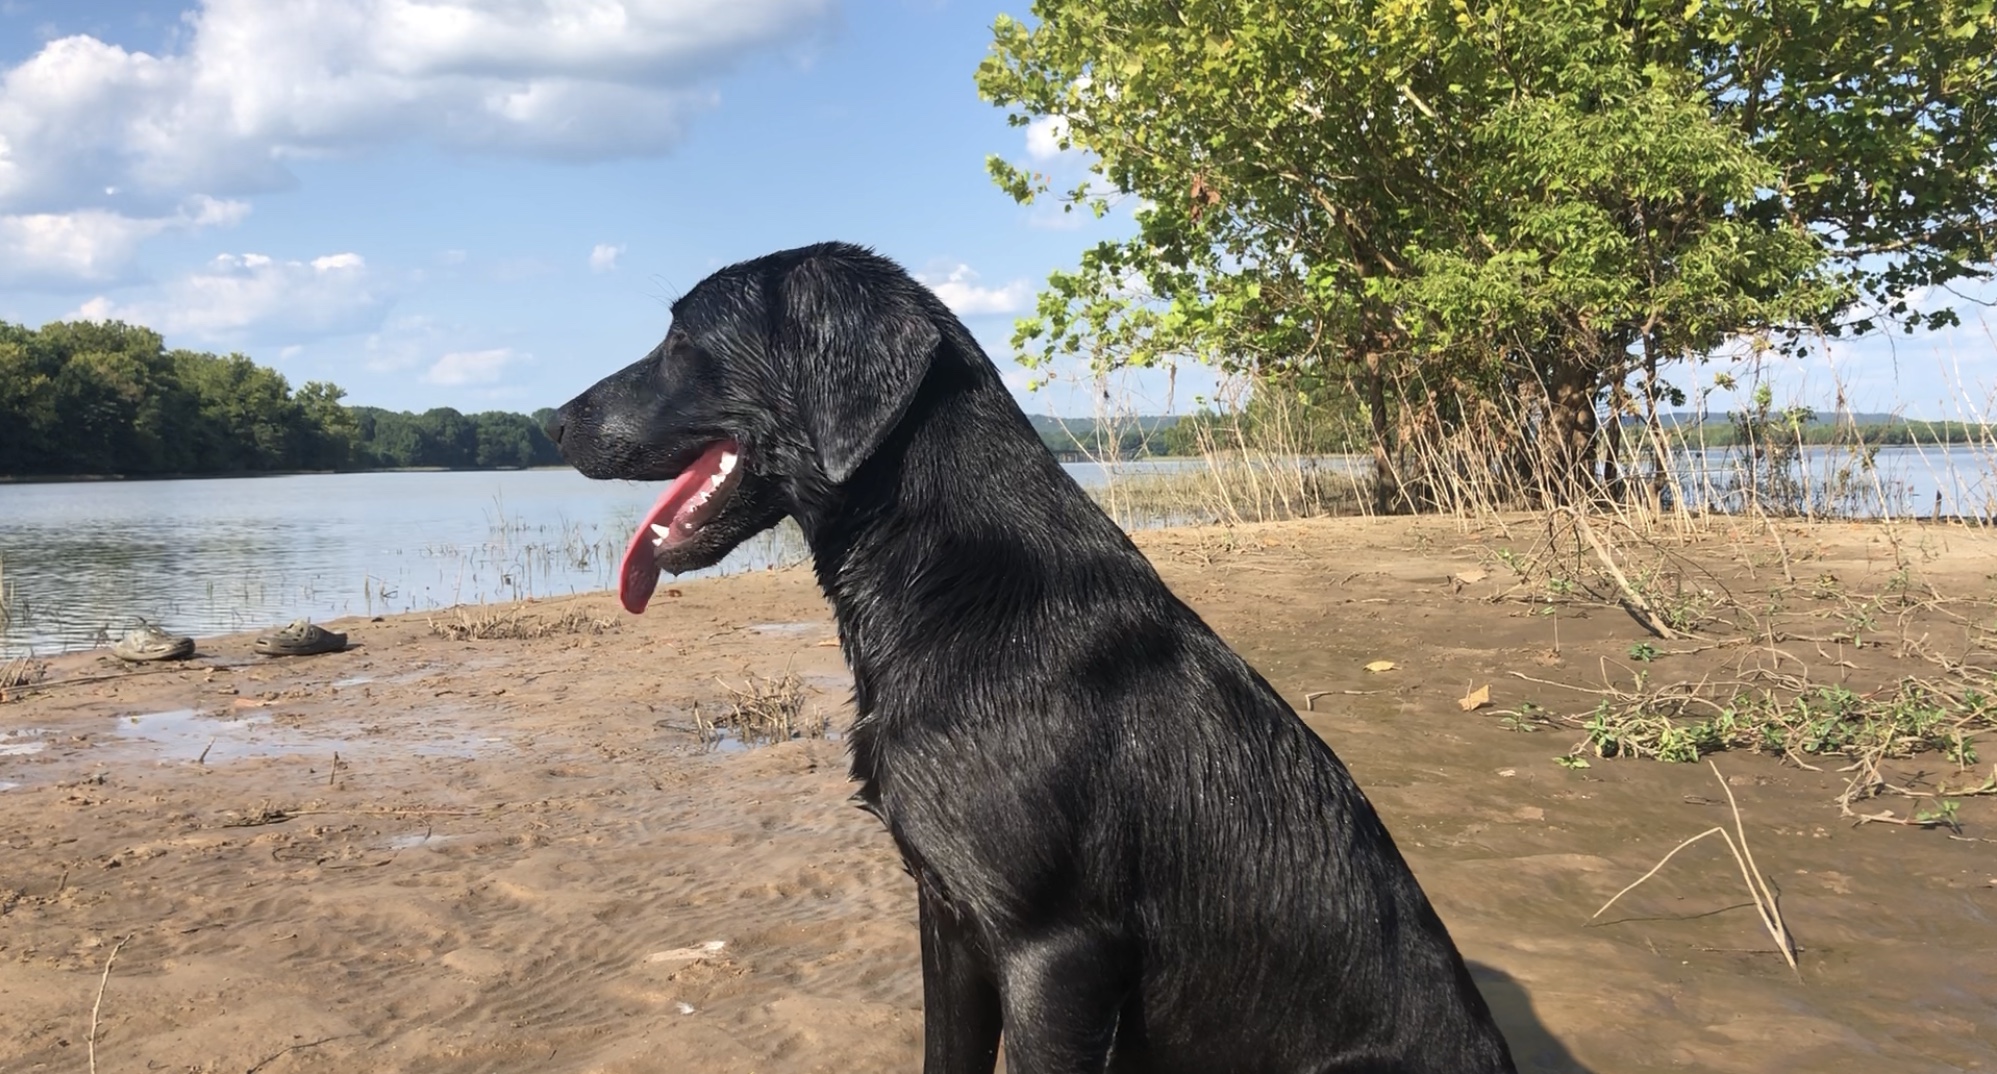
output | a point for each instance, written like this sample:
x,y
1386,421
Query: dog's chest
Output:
x,y
919,827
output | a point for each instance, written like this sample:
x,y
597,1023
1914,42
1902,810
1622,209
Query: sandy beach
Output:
x,y
437,853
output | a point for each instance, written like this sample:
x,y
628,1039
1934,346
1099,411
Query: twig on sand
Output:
x,y
99,1005
1757,889
180,667
282,1052
1310,697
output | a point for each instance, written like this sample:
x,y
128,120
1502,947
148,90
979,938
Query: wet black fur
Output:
x,y
1130,853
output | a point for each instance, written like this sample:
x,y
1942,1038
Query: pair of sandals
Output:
x,y
148,643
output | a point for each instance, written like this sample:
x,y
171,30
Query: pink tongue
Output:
x,y
639,574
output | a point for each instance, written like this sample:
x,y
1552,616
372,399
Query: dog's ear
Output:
x,y
858,346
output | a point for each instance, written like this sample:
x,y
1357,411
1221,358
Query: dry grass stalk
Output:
x,y
21,671
6,601
1765,904
761,712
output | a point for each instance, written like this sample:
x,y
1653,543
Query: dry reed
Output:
x,y
490,624
761,711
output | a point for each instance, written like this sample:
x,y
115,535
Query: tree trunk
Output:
x,y
1612,443
1650,421
1568,437
1386,487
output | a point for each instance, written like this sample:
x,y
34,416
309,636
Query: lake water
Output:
x,y
210,556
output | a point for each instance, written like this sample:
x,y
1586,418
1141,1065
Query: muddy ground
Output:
x,y
439,854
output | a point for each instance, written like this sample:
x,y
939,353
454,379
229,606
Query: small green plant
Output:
x,y
1525,719
1571,761
1560,587
1942,814
1858,622
1643,652
1961,749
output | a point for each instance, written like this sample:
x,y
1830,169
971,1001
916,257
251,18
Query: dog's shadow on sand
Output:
x,y
1534,1048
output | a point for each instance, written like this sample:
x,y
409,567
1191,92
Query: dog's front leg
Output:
x,y
1062,995
960,1002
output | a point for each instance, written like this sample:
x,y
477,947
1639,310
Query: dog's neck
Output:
x,y
941,546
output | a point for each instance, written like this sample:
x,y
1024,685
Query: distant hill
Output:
x,y
1137,435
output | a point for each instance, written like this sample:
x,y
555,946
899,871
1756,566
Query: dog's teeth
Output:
x,y
717,479
727,462
661,532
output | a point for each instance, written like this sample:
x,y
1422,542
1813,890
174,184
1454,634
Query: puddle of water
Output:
x,y
730,742
7,786
412,840
22,741
185,734
188,734
788,628
356,680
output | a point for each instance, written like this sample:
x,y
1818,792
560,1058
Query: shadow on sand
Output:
x,y
1534,1048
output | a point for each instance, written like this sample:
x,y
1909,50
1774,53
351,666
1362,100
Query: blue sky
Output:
x,y
489,203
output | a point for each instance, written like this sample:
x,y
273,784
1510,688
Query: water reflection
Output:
x,y
78,561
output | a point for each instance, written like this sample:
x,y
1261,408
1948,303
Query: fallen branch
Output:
x,y
1635,600
1310,697
99,1005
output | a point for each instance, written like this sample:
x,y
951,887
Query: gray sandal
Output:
x,y
147,643
301,638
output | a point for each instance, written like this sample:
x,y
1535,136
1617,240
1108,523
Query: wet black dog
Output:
x,y
1129,852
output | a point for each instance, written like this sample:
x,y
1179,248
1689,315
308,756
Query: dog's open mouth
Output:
x,y
686,505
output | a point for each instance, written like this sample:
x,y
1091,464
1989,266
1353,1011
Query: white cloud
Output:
x,y
94,245
1044,136
460,368
240,295
959,290
90,125
604,257
404,342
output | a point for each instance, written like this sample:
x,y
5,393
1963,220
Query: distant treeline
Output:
x,y
1123,439
1819,429
88,398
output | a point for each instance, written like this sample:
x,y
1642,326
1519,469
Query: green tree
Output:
x,y
331,428
249,419
28,415
112,389
1489,215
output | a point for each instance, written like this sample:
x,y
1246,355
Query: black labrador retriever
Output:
x,y
1130,854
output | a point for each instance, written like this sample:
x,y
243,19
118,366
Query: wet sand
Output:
x,y
426,854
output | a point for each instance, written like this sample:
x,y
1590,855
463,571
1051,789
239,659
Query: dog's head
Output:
x,y
779,378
